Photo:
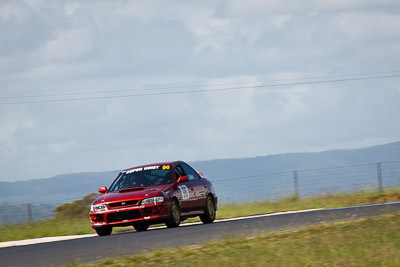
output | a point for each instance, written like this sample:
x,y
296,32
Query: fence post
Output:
x,y
29,208
296,184
380,180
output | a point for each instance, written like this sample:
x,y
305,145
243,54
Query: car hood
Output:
x,y
145,192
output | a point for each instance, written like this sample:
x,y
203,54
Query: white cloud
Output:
x,y
213,34
368,26
262,7
58,47
68,45
279,21
12,126
12,10
59,148
71,7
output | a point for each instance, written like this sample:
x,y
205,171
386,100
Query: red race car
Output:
x,y
157,193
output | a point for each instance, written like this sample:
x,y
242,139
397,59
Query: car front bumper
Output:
x,y
151,213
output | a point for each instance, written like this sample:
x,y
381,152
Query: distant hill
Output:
x,y
60,187
46,194
269,177
227,168
245,179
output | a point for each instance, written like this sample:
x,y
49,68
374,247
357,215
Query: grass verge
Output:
x,y
45,228
371,242
68,226
326,201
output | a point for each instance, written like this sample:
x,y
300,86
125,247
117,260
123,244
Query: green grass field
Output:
x,y
68,226
45,228
371,242
325,201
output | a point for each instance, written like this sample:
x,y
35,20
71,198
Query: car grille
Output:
x,y
122,216
123,203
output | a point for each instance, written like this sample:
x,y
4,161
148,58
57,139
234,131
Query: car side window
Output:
x,y
191,174
179,172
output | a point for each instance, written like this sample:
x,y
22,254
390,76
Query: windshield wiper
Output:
x,y
131,189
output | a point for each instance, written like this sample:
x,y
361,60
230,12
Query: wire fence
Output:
x,y
309,182
28,212
268,186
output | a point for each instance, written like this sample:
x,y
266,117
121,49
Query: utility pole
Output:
x,y
29,208
296,184
380,180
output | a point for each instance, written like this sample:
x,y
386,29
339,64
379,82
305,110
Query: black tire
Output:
x,y
104,231
175,215
141,227
209,211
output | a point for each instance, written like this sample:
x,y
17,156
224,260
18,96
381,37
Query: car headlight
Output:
x,y
98,207
152,200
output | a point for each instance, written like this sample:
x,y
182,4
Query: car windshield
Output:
x,y
142,177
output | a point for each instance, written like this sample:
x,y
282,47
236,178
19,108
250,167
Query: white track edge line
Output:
x,y
41,240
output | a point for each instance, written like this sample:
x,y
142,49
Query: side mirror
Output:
x,y
183,179
103,190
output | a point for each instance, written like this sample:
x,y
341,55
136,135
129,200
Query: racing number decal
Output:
x,y
184,191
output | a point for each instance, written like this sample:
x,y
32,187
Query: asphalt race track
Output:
x,y
129,243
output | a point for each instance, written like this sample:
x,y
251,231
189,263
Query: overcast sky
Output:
x,y
90,49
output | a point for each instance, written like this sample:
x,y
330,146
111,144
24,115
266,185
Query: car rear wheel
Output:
x,y
103,231
209,211
141,227
175,216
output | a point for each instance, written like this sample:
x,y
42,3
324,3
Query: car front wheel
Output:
x,y
175,216
141,227
209,211
103,231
